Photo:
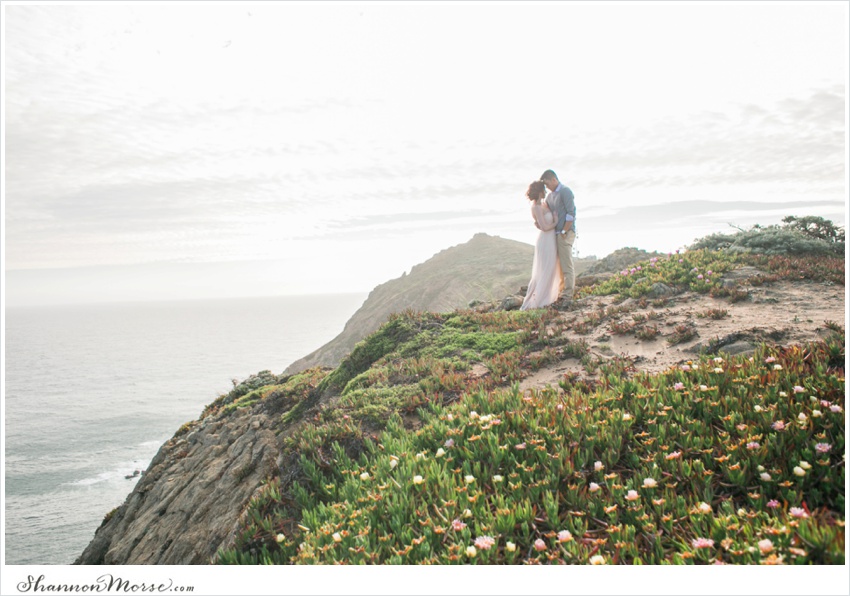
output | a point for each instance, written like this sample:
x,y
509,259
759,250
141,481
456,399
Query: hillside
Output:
x,y
689,409
486,268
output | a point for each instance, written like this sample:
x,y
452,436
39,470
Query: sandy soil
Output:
x,y
779,313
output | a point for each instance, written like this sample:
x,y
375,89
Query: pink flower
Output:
x,y
632,495
679,386
564,536
449,443
559,407
773,503
686,368
458,525
778,425
769,360
520,446
674,455
798,389
699,276
703,543
798,512
765,546
753,445
823,447
484,542
835,409
539,545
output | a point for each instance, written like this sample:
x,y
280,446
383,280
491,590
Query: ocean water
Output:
x,y
92,391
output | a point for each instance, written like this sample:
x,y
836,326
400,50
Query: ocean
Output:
x,y
92,391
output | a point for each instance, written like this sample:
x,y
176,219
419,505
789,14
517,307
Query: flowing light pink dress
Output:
x,y
545,270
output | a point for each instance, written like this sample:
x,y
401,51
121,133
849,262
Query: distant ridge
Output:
x,y
484,268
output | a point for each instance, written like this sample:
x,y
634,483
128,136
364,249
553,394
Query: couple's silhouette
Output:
x,y
552,273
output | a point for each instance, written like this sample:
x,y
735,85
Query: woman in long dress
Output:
x,y
545,270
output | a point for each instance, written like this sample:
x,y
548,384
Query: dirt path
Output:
x,y
784,312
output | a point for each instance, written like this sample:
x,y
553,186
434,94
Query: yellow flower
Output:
x,y
280,538
510,547
471,552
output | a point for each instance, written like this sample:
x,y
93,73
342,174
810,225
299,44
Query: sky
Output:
x,y
200,150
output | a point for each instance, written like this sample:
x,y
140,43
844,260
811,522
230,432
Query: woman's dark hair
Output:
x,y
535,190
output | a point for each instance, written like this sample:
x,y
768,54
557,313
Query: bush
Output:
x,y
799,236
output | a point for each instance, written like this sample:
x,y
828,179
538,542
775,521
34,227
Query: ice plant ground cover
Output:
x,y
420,447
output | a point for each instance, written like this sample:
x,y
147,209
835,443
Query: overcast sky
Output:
x,y
214,150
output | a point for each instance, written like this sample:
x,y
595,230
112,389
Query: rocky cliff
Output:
x,y
188,503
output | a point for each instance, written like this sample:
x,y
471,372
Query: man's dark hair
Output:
x,y
548,174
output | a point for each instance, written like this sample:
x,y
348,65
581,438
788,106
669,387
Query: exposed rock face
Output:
x,y
187,504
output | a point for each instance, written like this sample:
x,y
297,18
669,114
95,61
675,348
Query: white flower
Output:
x,y
798,471
364,476
594,487
760,468
420,456
627,416
816,414
802,417
632,495
765,476
649,483
449,417
467,513
777,367
418,479
564,536
469,479
703,388
337,537
704,507
598,466
718,370
718,360
597,560
805,465
510,547
783,394
742,512
471,552
393,461
497,478
440,452
473,414
280,538
758,408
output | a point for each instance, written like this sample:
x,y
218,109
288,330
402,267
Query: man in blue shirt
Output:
x,y
561,201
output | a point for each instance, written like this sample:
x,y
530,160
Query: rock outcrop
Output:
x,y
187,504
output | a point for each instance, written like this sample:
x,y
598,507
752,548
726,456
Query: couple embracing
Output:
x,y
552,272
